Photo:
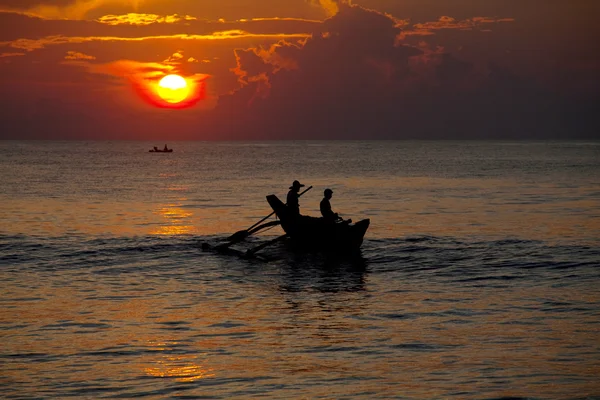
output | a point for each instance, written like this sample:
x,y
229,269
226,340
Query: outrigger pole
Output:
x,y
241,235
251,252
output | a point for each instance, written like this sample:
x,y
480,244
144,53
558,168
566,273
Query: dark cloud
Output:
x,y
354,80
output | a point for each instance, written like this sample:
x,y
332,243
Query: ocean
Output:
x,y
478,278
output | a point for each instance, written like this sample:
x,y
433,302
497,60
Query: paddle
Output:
x,y
243,234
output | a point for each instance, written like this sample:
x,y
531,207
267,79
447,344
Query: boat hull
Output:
x,y
317,233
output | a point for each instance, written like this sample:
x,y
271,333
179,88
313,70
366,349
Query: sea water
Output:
x,y
478,278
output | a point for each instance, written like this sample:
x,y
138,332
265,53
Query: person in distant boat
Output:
x,y
325,206
166,148
155,148
292,198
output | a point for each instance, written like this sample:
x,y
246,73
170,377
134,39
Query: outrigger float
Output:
x,y
304,232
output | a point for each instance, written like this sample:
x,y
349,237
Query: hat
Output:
x,y
328,191
296,184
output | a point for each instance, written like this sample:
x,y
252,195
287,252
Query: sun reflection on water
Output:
x,y
182,368
176,221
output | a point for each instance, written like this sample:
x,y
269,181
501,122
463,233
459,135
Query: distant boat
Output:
x,y
157,150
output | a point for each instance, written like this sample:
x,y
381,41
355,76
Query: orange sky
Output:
x,y
302,69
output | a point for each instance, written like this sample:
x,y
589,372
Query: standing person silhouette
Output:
x,y
292,198
325,207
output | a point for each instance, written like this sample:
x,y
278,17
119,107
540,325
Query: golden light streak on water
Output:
x,y
177,221
180,369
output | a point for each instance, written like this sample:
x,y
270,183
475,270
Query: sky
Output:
x,y
300,69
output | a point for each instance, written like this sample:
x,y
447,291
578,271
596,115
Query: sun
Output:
x,y
173,89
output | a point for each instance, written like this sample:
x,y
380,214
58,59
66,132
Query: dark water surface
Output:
x,y
479,277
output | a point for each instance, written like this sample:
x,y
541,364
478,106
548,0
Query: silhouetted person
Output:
x,y
325,206
292,198
166,148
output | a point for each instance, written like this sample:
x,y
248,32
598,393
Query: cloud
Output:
x,y
26,29
143,19
329,6
76,10
446,22
175,58
142,25
11,55
205,9
313,21
74,55
353,79
36,44
349,67
178,59
260,62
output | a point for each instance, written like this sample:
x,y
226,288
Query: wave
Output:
x,y
463,260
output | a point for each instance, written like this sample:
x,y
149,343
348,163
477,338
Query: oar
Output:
x,y
243,234
269,224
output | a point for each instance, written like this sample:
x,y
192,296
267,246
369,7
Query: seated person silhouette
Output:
x,y
325,206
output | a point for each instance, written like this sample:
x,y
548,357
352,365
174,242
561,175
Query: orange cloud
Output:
x,y
36,44
143,19
283,19
446,22
330,7
11,55
483,20
404,34
178,58
77,10
74,55
175,58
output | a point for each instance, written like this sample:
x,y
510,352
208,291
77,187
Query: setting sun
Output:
x,y
173,89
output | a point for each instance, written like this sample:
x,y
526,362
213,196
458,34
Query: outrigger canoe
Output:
x,y
318,233
302,231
